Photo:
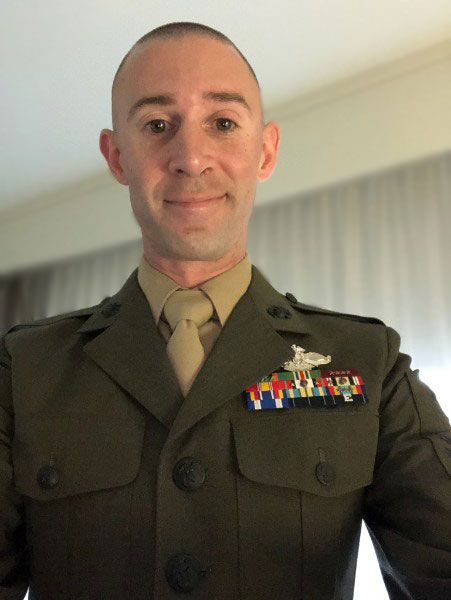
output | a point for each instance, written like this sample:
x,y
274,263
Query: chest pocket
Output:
x,y
56,456
327,454
300,479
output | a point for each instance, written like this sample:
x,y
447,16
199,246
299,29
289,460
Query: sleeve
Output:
x,y
408,506
13,554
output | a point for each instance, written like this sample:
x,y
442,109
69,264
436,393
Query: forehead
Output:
x,y
190,64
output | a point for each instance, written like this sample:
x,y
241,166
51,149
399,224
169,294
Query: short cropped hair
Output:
x,y
181,29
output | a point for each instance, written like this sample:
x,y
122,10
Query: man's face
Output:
x,y
194,149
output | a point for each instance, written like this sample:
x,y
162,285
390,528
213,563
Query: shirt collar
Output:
x,y
156,286
224,290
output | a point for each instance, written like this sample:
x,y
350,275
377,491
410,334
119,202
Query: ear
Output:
x,y
112,154
271,138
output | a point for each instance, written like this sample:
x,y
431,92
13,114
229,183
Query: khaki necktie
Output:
x,y
186,311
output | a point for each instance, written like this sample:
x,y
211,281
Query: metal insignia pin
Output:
x,y
304,361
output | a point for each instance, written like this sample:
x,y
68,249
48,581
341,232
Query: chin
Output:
x,y
198,250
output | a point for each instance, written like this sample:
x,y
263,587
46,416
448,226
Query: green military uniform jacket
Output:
x,y
114,487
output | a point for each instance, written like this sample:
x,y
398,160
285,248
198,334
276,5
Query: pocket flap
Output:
x,y
83,453
287,450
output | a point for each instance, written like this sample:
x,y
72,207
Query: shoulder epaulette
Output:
x,y
82,312
333,313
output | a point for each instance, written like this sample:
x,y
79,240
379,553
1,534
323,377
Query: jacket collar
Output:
x,y
130,349
267,301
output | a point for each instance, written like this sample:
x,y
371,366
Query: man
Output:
x,y
199,433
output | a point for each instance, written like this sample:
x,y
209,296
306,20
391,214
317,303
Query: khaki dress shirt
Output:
x,y
224,291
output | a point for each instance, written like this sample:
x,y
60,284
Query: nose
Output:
x,y
190,152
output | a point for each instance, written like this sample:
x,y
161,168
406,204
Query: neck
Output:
x,y
188,273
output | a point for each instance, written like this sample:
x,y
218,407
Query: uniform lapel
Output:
x,y
249,347
130,349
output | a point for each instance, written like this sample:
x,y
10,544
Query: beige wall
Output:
x,y
387,116
382,118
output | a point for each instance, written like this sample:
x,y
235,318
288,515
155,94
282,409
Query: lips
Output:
x,y
194,199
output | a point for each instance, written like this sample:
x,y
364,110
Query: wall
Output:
x,y
387,116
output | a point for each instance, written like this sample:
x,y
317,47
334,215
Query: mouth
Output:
x,y
194,201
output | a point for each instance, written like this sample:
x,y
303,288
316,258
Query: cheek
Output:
x,y
136,158
142,170
242,161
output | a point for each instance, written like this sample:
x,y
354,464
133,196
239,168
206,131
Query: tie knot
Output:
x,y
192,305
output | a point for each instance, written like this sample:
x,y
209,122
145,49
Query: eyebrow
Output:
x,y
228,97
168,100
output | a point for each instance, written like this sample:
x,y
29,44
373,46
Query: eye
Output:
x,y
224,124
157,125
